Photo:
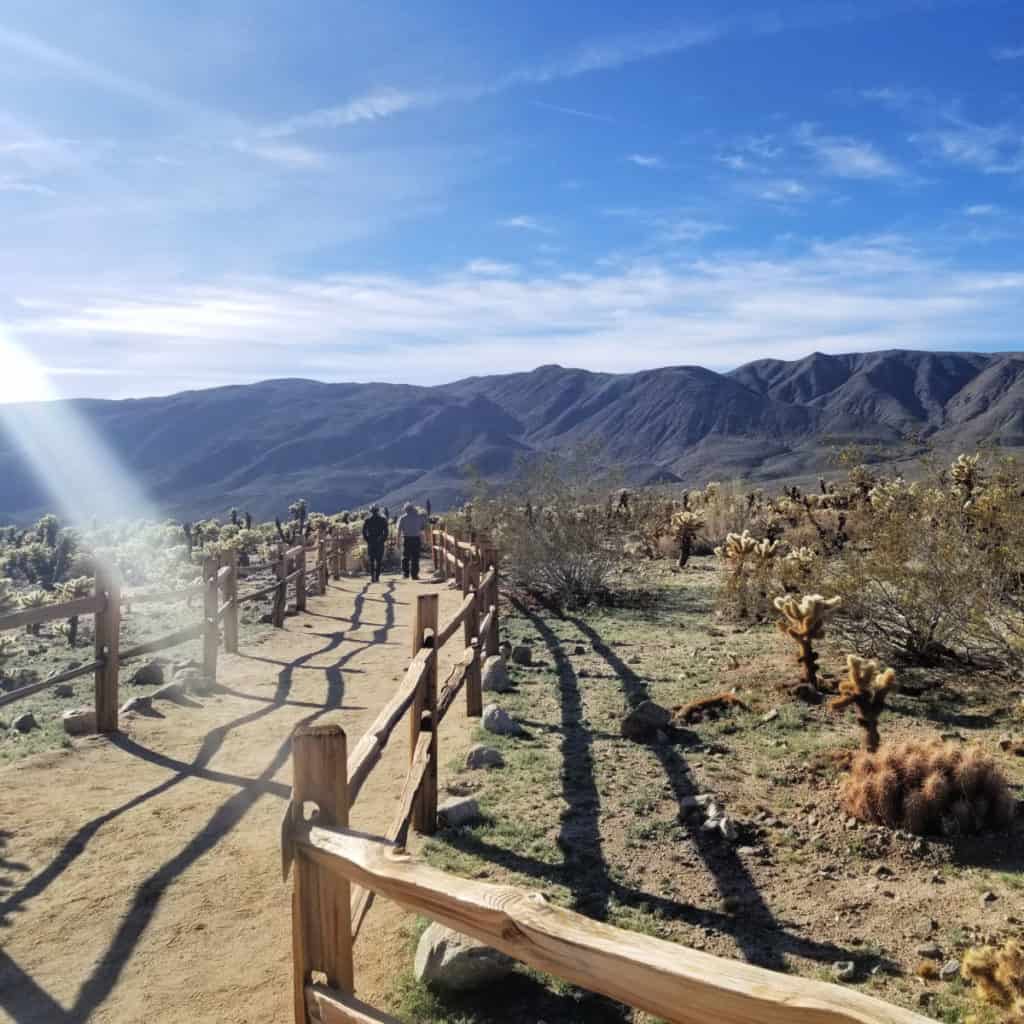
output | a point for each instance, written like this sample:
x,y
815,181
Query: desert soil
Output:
x,y
140,875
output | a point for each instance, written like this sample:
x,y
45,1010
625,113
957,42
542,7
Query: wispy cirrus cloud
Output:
x,y
783,190
850,295
374,106
648,160
524,222
981,210
1008,53
282,153
995,148
847,157
573,112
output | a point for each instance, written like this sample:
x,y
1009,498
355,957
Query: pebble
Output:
x,y
988,896
949,970
844,970
25,722
929,951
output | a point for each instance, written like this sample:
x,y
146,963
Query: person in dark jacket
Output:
x,y
375,533
410,527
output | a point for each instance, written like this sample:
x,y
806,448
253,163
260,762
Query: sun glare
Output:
x,y
22,379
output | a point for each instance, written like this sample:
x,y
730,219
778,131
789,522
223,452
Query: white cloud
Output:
x,y
374,106
283,153
847,157
573,112
1009,53
990,148
856,294
784,190
492,268
524,223
689,229
646,160
981,210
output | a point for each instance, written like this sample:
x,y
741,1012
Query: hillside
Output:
x,y
340,445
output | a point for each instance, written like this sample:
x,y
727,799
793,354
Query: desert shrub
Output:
x,y
998,977
565,545
865,688
9,649
686,525
928,788
31,599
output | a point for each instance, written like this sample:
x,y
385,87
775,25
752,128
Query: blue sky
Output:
x,y
203,193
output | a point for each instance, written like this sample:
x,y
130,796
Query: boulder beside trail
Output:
x,y
484,757
499,721
645,721
79,722
457,811
193,680
451,961
25,722
522,654
142,705
150,674
494,676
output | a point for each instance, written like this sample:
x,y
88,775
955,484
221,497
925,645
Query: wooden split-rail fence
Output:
x,y
338,871
218,588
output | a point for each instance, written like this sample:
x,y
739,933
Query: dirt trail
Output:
x,y
140,875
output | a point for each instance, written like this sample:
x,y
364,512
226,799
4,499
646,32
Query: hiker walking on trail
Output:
x,y
410,527
375,533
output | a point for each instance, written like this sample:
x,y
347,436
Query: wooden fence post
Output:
x,y
230,591
108,636
281,593
424,814
471,628
490,558
321,564
211,627
321,914
300,580
335,554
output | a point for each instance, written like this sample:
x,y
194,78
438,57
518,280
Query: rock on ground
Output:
x,y
484,757
63,690
79,722
458,811
169,691
522,655
193,680
498,720
448,960
150,674
494,676
643,723
140,704
25,722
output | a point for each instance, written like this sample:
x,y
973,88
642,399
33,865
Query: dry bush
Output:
x,y
566,543
928,788
747,575
998,977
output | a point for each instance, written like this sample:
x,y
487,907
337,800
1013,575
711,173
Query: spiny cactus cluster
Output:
x,y
7,598
685,527
998,976
36,598
928,788
803,619
738,547
966,474
865,687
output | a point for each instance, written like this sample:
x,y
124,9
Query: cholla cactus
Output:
x,y
928,789
802,558
737,547
804,620
7,598
80,586
998,976
685,526
36,598
966,475
866,687
8,650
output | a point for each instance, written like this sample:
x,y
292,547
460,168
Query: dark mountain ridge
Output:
x,y
341,445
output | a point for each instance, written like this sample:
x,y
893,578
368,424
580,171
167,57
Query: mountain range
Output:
x,y
258,446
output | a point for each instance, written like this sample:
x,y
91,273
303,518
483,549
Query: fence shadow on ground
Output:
x,y
26,1001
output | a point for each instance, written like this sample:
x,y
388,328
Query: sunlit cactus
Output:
x,y
966,474
685,526
803,619
737,547
8,650
7,599
866,687
929,789
31,599
998,977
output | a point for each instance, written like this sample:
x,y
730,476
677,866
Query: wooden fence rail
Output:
x,y
679,985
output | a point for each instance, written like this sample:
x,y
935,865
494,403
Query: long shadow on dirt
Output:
x,y
761,937
27,1001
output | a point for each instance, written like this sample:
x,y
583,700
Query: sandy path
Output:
x,y
140,876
